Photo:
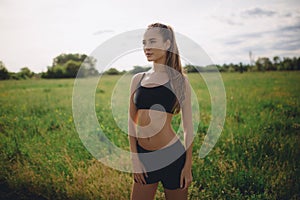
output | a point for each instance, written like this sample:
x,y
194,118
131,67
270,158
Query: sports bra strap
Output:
x,y
141,79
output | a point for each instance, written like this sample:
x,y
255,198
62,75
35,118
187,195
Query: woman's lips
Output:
x,y
148,54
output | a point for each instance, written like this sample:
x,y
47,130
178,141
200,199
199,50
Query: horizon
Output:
x,y
184,64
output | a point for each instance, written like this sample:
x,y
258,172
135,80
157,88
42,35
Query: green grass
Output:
x,y
256,157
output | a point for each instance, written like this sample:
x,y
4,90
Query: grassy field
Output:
x,y
256,157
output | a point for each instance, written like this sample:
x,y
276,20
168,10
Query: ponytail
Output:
x,y
173,63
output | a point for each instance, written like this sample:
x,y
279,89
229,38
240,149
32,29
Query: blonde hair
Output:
x,y
173,62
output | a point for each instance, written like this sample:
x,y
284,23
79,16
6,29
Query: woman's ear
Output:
x,y
167,44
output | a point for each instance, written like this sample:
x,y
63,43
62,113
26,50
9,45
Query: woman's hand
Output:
x,y
186,177
139,167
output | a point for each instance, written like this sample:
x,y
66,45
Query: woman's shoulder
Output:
x,y
136,78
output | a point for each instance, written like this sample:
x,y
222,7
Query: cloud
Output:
x,y
257,12
287,32
103,31
288,37
279,41
237,20
252,35
233,42
295,28
231,22
289,45
288,14
228,20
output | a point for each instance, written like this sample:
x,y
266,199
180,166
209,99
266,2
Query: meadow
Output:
x,y
256,157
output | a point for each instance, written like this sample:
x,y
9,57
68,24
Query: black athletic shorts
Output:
x,y
164,165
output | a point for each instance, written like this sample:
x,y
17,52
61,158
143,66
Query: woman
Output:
x,y
155,97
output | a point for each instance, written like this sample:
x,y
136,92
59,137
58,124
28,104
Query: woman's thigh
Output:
x,y
178,194
143,192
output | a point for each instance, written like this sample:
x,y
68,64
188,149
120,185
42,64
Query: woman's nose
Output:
x,y
147,47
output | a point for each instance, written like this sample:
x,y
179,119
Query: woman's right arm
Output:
x,y
138,167
132,114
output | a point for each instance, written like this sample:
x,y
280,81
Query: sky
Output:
x,y
33,32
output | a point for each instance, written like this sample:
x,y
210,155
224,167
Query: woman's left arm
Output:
x,y
186,116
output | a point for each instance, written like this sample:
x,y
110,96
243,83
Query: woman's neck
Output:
x,y
158,67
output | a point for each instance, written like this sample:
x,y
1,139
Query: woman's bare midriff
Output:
x,y
154,130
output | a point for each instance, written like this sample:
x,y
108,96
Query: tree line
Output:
x,y
261,64
81,65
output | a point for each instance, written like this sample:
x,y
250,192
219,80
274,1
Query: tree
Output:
x,y
232,67
276,62
138,69
4,74
298,63
189,68
72,68
25,73
263,64
224,68
112,71
68,66
295,63
287,64
58,71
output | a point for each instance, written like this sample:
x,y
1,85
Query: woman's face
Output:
x,y
154,47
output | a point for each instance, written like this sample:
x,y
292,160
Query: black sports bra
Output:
x,y
161,98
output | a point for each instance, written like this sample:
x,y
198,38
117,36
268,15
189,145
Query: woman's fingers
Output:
x,y
142,173
185,179
181,181
143,178
144,170
185,182
139,177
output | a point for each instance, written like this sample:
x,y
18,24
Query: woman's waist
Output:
x,y
157,141
146,117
